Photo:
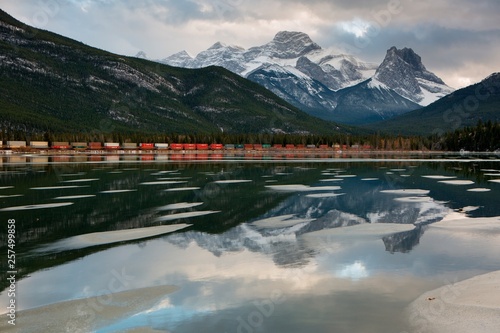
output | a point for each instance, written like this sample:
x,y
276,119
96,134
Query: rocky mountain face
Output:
x,y
53,83
324,83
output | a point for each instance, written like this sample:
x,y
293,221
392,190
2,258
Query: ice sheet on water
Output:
x,y
80,180
11,196
492,174
178,189
369,179
71,197
180,205
109,237
5,187
233,181
302,188
438,177
406,192
346,176
185,215
479,189
117,191
58,187
39,206
414,199
282,221
164,182
324,195
494,180
331,180
457,182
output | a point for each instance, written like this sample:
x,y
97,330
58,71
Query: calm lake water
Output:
x,y
273,245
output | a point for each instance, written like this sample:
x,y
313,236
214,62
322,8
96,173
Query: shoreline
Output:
x,y
471,305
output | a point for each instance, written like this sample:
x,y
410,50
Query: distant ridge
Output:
x,y
51,83
464,107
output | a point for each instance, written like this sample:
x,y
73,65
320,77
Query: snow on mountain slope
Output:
x,y
314,79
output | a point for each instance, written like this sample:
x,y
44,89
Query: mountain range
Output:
x,y
51,83
324,83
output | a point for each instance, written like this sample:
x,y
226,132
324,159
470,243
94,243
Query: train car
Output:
x,y
16,144
148,146
111,145
189,146
176,146
161,145
289,146
129,145
266,146
229,146
300,146
239,146
79,145
202,146
311,146
60,145
39,144
216,146
257,146
277,146
95,145
323,147
248,146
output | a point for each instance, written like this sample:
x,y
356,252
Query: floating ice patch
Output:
x,y
346,176
406,192
457,182
494,180
164,182
398,170
80,180
439,177
115,172
5,187
173,178
302,188
359,231
109,237
185,215
389,173
178,189
369,179
11,196
180,205
58,187
331,180
232,181
479,189
492,174
328,174
282,221
414,199
271,181
70,197
162,173
324,195
116,191
40,206
490,170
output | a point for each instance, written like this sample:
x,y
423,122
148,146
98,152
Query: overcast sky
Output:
x,y
459,40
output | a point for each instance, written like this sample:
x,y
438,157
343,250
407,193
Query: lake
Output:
x,y
238,244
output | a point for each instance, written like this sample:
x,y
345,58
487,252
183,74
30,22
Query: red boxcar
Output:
x,y
323,146
202,146
60,145
257,146
277,146
290,146
176,146
95,145
189,146
147,146
216,146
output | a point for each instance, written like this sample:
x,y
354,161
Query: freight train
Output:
x,y
109,146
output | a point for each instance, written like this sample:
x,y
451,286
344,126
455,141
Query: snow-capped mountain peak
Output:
x,y
403,71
